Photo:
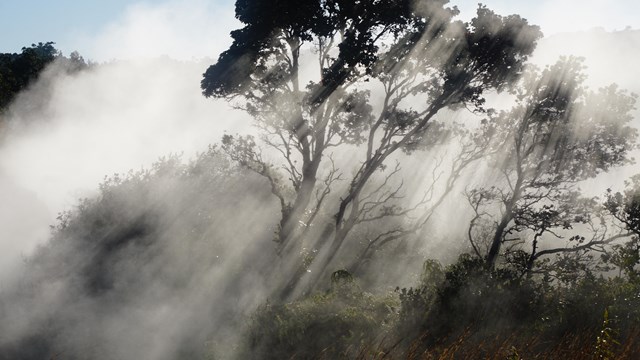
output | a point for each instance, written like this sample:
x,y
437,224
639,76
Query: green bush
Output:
x,y
341,323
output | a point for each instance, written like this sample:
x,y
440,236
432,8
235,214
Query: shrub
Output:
x,y
333,325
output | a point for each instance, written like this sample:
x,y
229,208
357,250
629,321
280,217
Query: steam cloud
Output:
x,y
124,115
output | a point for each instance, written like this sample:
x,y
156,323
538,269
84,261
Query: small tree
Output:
x,y
625,208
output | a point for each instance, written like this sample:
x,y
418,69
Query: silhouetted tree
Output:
x,y
474,144
421,58
18,71
625,208
558,134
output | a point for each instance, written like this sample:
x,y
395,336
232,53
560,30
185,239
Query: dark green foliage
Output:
x,y
626,206
268,21
482,304
492,54
488,300
464,306
414,305
18,71
338,324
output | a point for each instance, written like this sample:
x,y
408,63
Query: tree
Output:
x,y
18,71
422,60
625,208
474,144
558,134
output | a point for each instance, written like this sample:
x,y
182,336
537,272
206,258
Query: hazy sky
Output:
x,y
199,28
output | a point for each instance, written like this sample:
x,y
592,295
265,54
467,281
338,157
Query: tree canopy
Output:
x,y
19,70
558,134
416,53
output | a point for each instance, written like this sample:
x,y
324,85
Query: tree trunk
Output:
x,y
496,243
290,224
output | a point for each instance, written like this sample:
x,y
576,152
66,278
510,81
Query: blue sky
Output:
x,y
102,29
26,21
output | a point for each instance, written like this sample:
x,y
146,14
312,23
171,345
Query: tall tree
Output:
x,y
414,51
262,66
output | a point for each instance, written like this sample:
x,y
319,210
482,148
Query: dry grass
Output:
x,y
507,347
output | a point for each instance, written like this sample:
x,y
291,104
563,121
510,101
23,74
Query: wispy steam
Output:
x,y
170,259
108,119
